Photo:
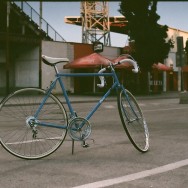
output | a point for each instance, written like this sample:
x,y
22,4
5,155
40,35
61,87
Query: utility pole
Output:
x,y
40,51
8,50
180,59
40,21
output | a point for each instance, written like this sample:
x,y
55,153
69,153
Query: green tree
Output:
x,y
151,43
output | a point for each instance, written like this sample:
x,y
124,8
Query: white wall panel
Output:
x,y
56,49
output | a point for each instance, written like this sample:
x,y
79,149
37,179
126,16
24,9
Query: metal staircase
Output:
x,y
33,19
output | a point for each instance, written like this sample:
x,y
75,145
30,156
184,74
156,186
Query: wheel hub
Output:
x,y
31,122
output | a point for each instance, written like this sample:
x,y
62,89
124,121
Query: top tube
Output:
x,y
84,74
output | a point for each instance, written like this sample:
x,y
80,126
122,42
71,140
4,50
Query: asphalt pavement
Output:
x,y
111,161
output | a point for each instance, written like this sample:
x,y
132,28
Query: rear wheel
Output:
x,y
20,131
133,121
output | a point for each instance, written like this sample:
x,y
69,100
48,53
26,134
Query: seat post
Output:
x,y
56,69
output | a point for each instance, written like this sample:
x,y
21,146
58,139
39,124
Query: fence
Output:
x,y
42,24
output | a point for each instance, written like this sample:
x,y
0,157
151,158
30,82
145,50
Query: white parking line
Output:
x,y
109,106
141,104
155,104
34,140
135,176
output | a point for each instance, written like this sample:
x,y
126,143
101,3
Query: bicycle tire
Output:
x,y
22,140
133,121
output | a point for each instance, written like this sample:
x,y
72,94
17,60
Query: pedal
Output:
x,y
84,144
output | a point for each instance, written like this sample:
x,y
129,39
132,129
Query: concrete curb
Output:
x,y
87,99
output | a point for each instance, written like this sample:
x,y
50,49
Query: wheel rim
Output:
x,y
133,122
19,136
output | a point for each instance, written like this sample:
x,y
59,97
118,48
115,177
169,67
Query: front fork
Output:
x,y
129,102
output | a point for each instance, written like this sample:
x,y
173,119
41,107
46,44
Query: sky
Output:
x,y
173,14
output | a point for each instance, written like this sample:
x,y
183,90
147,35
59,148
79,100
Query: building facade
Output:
x,y
178,79
155,81
22,42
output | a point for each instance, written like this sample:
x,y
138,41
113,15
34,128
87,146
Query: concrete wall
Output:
x,y
23,66
26,66
56,49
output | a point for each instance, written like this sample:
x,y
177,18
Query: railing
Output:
x,y
35,17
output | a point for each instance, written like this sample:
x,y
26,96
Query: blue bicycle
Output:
x,y
34,122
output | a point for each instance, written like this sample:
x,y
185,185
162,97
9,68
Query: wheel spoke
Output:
x,y
133,121
20,132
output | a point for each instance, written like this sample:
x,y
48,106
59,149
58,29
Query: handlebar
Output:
x,y
131,61
101,85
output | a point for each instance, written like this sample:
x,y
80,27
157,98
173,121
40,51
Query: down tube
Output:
x,y
45,98
101,101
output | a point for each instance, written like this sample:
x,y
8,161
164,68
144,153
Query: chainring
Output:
x,y
79,129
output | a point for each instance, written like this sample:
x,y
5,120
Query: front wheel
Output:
x,y
133,121
21,130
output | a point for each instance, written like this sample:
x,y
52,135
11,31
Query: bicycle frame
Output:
x,y
38,123
115,85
